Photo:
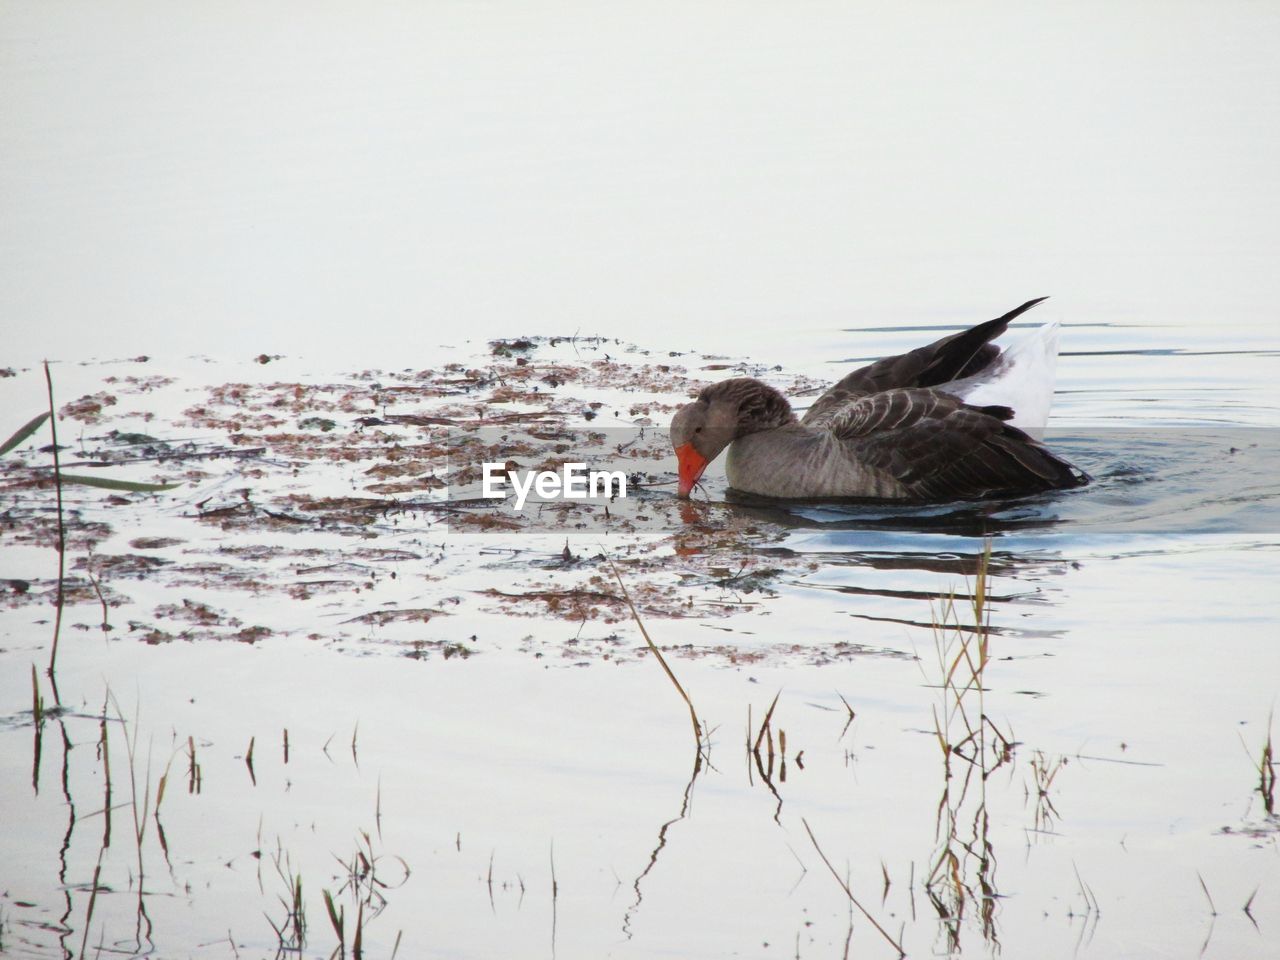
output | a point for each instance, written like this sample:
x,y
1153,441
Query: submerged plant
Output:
x,y
20,436
973,747
1044,771
365,883
1266,767
1267,776
291,931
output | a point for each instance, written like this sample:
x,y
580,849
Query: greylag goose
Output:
x,y
921,426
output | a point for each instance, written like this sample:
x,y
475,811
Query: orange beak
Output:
x,y
692,463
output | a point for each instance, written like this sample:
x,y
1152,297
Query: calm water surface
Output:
x,y
1132,633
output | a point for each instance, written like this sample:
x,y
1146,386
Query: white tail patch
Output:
x,y
1021,378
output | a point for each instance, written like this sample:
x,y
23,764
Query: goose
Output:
x,y
959,419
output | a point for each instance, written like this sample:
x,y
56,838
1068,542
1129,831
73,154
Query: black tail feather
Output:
x,y
969,352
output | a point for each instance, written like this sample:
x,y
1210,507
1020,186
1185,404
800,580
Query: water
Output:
x,y
476,714
454,692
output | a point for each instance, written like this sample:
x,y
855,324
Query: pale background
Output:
x,y
342,181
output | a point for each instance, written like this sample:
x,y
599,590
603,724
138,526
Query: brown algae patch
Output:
x,y
331,492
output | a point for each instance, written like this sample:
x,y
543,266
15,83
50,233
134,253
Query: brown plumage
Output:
x,y
884,431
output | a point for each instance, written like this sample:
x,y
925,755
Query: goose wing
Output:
x,y
937,447
955,356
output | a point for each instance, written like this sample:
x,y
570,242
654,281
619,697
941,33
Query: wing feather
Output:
x,y
936,447
952,357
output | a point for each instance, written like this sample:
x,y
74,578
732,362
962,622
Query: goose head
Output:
x,y
721,414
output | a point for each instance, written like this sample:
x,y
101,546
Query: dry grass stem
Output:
x,y
693,714
62,534
964,868
896,944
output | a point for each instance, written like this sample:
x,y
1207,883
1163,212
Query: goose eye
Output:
x,y
697,429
